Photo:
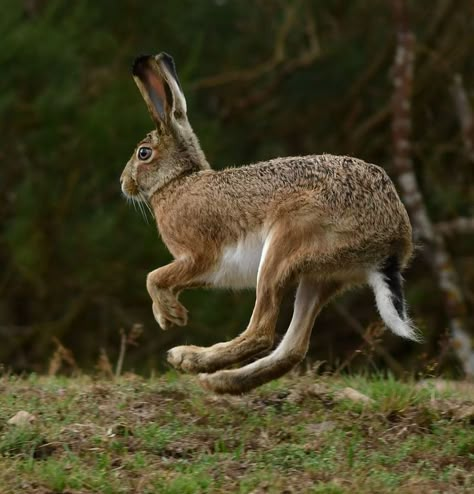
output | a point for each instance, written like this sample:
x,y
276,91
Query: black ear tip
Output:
x,y
168,60
139,63
166,57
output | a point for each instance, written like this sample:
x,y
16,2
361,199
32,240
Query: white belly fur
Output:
x,y
238,265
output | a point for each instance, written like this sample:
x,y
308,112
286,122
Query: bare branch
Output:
x,y
464,111
278,60
436,250
123,349
457,226
257,71
391,362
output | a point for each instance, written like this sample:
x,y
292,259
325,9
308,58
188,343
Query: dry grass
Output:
x,y
300,434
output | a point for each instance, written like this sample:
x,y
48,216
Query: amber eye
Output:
x,y
144,153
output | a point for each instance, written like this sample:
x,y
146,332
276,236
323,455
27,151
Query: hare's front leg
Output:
x,y
164,284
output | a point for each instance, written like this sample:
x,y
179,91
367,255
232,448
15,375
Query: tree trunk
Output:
x,y
434,245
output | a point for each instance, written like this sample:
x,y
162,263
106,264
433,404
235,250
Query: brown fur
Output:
x,y
325,221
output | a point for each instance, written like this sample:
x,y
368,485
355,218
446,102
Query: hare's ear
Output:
x,y
158,83
168,68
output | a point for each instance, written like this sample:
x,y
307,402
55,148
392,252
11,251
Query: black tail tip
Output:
x,y
391,271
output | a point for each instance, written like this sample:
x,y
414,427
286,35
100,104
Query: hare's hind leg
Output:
x,y
310,298
275,271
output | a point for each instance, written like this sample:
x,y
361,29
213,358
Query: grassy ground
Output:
x,y
300,434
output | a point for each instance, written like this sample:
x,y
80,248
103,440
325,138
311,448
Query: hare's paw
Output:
x,y
160,318
225,381
191,359
185,358
169,313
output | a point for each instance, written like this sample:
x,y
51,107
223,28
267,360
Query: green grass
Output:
x,y
299,434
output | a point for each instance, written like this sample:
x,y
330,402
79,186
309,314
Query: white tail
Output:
x,y
385,298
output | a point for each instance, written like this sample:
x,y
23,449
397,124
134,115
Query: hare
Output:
x,y
320,223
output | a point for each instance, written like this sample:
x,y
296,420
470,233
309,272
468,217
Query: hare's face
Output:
x,y
148,167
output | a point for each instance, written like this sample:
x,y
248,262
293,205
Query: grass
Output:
x,y
299,434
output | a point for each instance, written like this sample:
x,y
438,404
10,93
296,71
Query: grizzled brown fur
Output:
x,y
322,223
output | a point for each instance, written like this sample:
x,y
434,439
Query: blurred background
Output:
x,y
262,79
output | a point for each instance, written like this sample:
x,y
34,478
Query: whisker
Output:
x,y
143,212
140,204
134,203
145,202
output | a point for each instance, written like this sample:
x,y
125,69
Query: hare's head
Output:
x,y
172,149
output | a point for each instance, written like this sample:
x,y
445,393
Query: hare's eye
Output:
x,y
144,153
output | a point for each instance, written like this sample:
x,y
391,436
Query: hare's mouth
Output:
x,y
129,187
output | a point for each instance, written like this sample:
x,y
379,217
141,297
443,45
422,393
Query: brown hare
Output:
x,y
320,223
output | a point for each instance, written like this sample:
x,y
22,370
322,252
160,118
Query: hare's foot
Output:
x,y
237,381
190,358
225,381
195,359
169,312
244,379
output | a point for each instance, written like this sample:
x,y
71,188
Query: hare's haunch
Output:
x,y
320,223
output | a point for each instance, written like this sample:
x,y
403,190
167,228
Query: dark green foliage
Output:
x,y
74,254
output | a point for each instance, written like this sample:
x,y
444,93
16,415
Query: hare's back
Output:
x,y
333,178
335,187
